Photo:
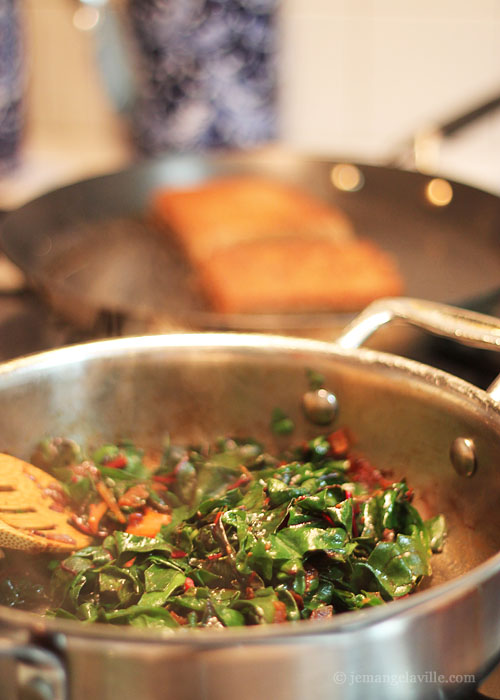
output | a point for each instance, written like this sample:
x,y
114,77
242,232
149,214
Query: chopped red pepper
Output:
x,y
243,479
339,443
135,518
279,611
164,478
178,618
117,462
158,487
216,555
178,554
149,524
172,476
361,470
388,535
188,583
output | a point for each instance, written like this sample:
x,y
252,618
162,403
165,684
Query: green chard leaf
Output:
x,y
281,424
436,531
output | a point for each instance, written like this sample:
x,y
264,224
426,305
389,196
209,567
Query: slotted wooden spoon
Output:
x,y
31,517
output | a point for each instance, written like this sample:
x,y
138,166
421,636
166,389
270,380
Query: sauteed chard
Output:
x,y
229,535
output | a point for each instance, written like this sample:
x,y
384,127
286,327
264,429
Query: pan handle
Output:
x,y
42,674
414,153
465,327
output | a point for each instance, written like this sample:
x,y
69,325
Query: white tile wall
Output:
x,y
360,76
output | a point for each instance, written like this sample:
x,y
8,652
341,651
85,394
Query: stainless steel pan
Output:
x,y
440,431
87,248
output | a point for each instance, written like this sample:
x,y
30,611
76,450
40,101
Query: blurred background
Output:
x,y
356,79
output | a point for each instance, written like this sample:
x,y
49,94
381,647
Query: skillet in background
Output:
x,y
89,251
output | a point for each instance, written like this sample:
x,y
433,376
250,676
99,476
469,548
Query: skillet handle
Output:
x,y
465,327
41,673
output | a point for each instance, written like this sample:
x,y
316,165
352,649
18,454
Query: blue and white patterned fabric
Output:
x,y
11,83
207,73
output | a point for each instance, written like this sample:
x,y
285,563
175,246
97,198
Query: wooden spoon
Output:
x,y
32,517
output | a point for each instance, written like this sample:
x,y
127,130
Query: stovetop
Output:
x,y
29,325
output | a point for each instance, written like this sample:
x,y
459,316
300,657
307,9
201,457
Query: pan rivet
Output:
x,y
463,456
320,406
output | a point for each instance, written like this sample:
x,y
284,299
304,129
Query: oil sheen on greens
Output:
x,y
252,539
